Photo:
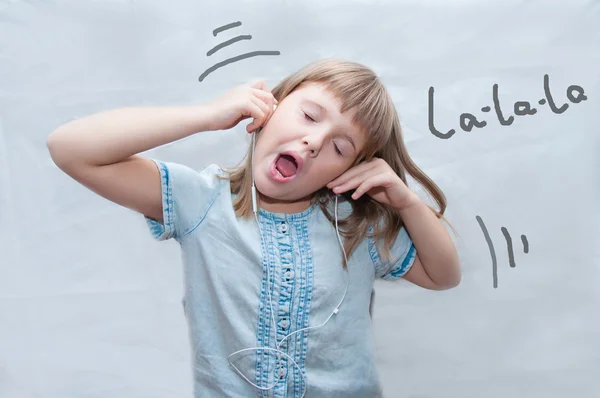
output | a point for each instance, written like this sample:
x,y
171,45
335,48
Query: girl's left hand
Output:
x,y
377,179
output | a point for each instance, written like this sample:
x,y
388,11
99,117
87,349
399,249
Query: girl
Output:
x,y
277,303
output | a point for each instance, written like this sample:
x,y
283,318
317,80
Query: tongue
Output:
x,y
286,165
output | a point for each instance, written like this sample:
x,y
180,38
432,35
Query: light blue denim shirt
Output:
x,y
226,302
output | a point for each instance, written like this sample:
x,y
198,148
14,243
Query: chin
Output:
x,y
267,188
277,192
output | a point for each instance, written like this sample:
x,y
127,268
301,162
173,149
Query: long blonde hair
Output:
x,y
356,86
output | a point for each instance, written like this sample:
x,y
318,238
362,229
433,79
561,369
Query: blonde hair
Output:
x,y
356,86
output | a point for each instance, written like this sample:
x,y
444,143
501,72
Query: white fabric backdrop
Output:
x,y
90,305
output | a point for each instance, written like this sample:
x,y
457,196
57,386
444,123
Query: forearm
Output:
x,y
435,248
111,136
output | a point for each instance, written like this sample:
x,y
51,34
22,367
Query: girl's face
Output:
x,y
305,144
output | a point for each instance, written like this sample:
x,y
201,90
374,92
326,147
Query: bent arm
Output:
x,y
100,151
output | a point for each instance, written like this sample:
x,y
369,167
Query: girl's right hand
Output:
x,y
252,100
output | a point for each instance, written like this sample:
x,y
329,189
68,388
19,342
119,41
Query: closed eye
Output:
x,y
337,150
307,116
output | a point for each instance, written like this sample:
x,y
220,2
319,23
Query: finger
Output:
x,y
368,184
259,84
256,113
351,183
374,164
259,87
373,174
265,96
265,108
271,102
349,174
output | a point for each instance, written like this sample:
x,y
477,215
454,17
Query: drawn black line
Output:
x,y
525,244
235,59
228,43
492,251
511,256
225,27
509,246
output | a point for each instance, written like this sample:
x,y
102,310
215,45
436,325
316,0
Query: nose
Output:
x,y
314,143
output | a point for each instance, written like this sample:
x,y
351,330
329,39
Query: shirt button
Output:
x,y
283,227
285,324
289,275
282,372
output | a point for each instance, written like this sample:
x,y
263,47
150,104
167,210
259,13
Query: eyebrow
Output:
x,y
321,108
324,110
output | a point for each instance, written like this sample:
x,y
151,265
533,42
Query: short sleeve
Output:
x,y
402,253
186,198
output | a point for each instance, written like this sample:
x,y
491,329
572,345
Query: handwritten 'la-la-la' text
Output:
x,y
468,121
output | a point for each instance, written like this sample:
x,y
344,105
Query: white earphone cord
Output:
x,y
277,350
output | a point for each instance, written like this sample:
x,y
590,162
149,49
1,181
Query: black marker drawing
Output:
x,y
467,121
509,246
228,43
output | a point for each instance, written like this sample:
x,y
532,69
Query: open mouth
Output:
x,y
286,167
